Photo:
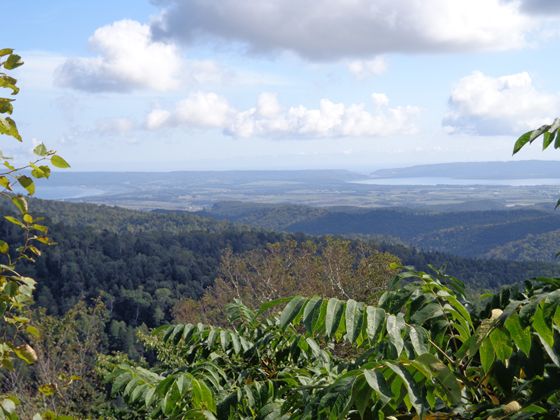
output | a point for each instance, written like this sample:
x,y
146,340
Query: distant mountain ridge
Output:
x,y
515,234
477,170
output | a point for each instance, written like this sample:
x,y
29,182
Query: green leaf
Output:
x,y
547,139
536,133
444,376
59,162
5,183
310,311
395,324
354,317
549,350
33,331
377,382
236,343
9,83
522,141
541,327
4,247
9,128
224,339
6,106
149,396
487,355
272,303
335,309
15,221
6,51
291,310
375,317
27,183
12,62
414,393
120,381
501,344
48,390
418,338
26,353
361,395
21,204
429,311
557,140
40,150
521,337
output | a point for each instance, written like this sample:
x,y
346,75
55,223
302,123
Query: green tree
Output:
x,y
425,350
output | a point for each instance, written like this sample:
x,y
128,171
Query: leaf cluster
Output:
x,y
424,350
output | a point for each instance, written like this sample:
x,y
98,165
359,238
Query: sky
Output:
x,y
139,85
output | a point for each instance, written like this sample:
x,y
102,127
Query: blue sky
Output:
x,y
283,84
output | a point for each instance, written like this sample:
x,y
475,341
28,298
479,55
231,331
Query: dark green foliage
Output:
x,y
425,350
550,135
142,263
478,234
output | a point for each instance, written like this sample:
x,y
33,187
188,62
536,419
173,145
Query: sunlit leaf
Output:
x,y
59,162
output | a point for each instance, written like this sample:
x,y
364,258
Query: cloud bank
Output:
x,y
269,119
504,105
334,29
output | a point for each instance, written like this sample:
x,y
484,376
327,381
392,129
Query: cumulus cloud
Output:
x,y
269,119
510,104
364,68
333,29
128,59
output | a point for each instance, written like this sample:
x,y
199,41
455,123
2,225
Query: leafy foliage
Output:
x,y
16,289
63,378
330,267
550,135
424,350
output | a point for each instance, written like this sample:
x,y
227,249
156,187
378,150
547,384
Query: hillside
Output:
x,y
143,263
470,234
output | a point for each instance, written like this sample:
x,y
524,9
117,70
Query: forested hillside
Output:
x,y
143,263
502,234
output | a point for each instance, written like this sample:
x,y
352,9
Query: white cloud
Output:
x,y
269,119
128,59
510,104
333,29
115,126
203,110
157,118
365,68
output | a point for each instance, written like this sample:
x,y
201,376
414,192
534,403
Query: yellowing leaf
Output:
x,y
59,162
